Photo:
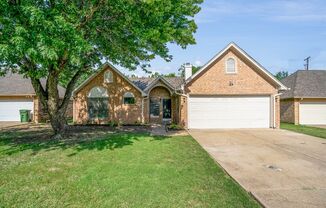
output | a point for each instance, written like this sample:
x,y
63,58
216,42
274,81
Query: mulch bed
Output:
x,y
30,133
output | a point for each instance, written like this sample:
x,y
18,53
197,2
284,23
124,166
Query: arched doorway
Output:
x,y
160,105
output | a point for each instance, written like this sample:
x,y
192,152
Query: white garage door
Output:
x,y
9,109
229,112
312,113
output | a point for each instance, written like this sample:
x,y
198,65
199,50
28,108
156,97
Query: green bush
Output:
x,y
174,126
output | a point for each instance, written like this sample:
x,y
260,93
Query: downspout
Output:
x,y
274,109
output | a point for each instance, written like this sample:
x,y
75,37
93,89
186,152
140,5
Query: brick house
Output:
x,y
305,102
231,91
16,93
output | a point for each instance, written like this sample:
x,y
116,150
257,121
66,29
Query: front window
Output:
x,y
230,66
98,103
128,98
98,108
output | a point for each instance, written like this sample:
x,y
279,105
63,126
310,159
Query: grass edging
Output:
x,y
256,198
303,129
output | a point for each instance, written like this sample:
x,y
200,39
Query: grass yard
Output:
x,y
310,130
101,168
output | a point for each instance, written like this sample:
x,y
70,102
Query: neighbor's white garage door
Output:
x,y
9,109
229,112
312,113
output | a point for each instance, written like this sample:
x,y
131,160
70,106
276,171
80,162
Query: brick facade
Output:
x,y
183,111
214,80
247,80
118,111
288,114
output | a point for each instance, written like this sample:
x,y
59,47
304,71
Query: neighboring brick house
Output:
x,y
231,91
17,93
305,102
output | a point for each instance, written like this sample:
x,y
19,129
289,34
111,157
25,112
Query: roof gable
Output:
x,y
144,82
157,80
104,67
246,56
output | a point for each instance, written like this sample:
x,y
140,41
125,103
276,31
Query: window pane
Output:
x,y
230,65
129,100
154,107
98,92
108,77
98,108
128,94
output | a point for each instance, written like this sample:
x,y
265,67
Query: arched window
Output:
x,y
128,98
230,66
108,77
98,92
98,103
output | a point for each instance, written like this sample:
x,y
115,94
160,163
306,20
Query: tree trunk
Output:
x,y
51,102
58,123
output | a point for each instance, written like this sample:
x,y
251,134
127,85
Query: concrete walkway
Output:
x,y
280,168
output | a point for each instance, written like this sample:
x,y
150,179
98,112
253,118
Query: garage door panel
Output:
x,y
229,112
9,109
312,113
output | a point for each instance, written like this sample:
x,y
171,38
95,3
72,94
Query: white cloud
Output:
x,y
198,63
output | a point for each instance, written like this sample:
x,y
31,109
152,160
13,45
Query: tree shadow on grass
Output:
x,y
82,138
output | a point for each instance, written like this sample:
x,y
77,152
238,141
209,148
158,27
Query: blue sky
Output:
x,y
278,34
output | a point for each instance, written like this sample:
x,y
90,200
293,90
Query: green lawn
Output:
x,y
112,170
313,131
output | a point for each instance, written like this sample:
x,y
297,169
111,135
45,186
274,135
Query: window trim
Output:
x,y
105,78
235,66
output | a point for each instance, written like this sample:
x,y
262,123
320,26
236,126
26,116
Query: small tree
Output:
x,y
155,75
56,39
169,75
281,75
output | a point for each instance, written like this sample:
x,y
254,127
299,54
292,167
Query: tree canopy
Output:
x,y
157,74
58,39
281,75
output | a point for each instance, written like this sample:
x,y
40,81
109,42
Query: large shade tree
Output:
x,y
61,39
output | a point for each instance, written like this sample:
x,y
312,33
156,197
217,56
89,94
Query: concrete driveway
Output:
x,y
7,124
320,126
280,168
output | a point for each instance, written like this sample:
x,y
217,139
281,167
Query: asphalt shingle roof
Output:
x,y
143,82
16,84
305,83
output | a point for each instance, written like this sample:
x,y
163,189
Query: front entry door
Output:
x,y
166,108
